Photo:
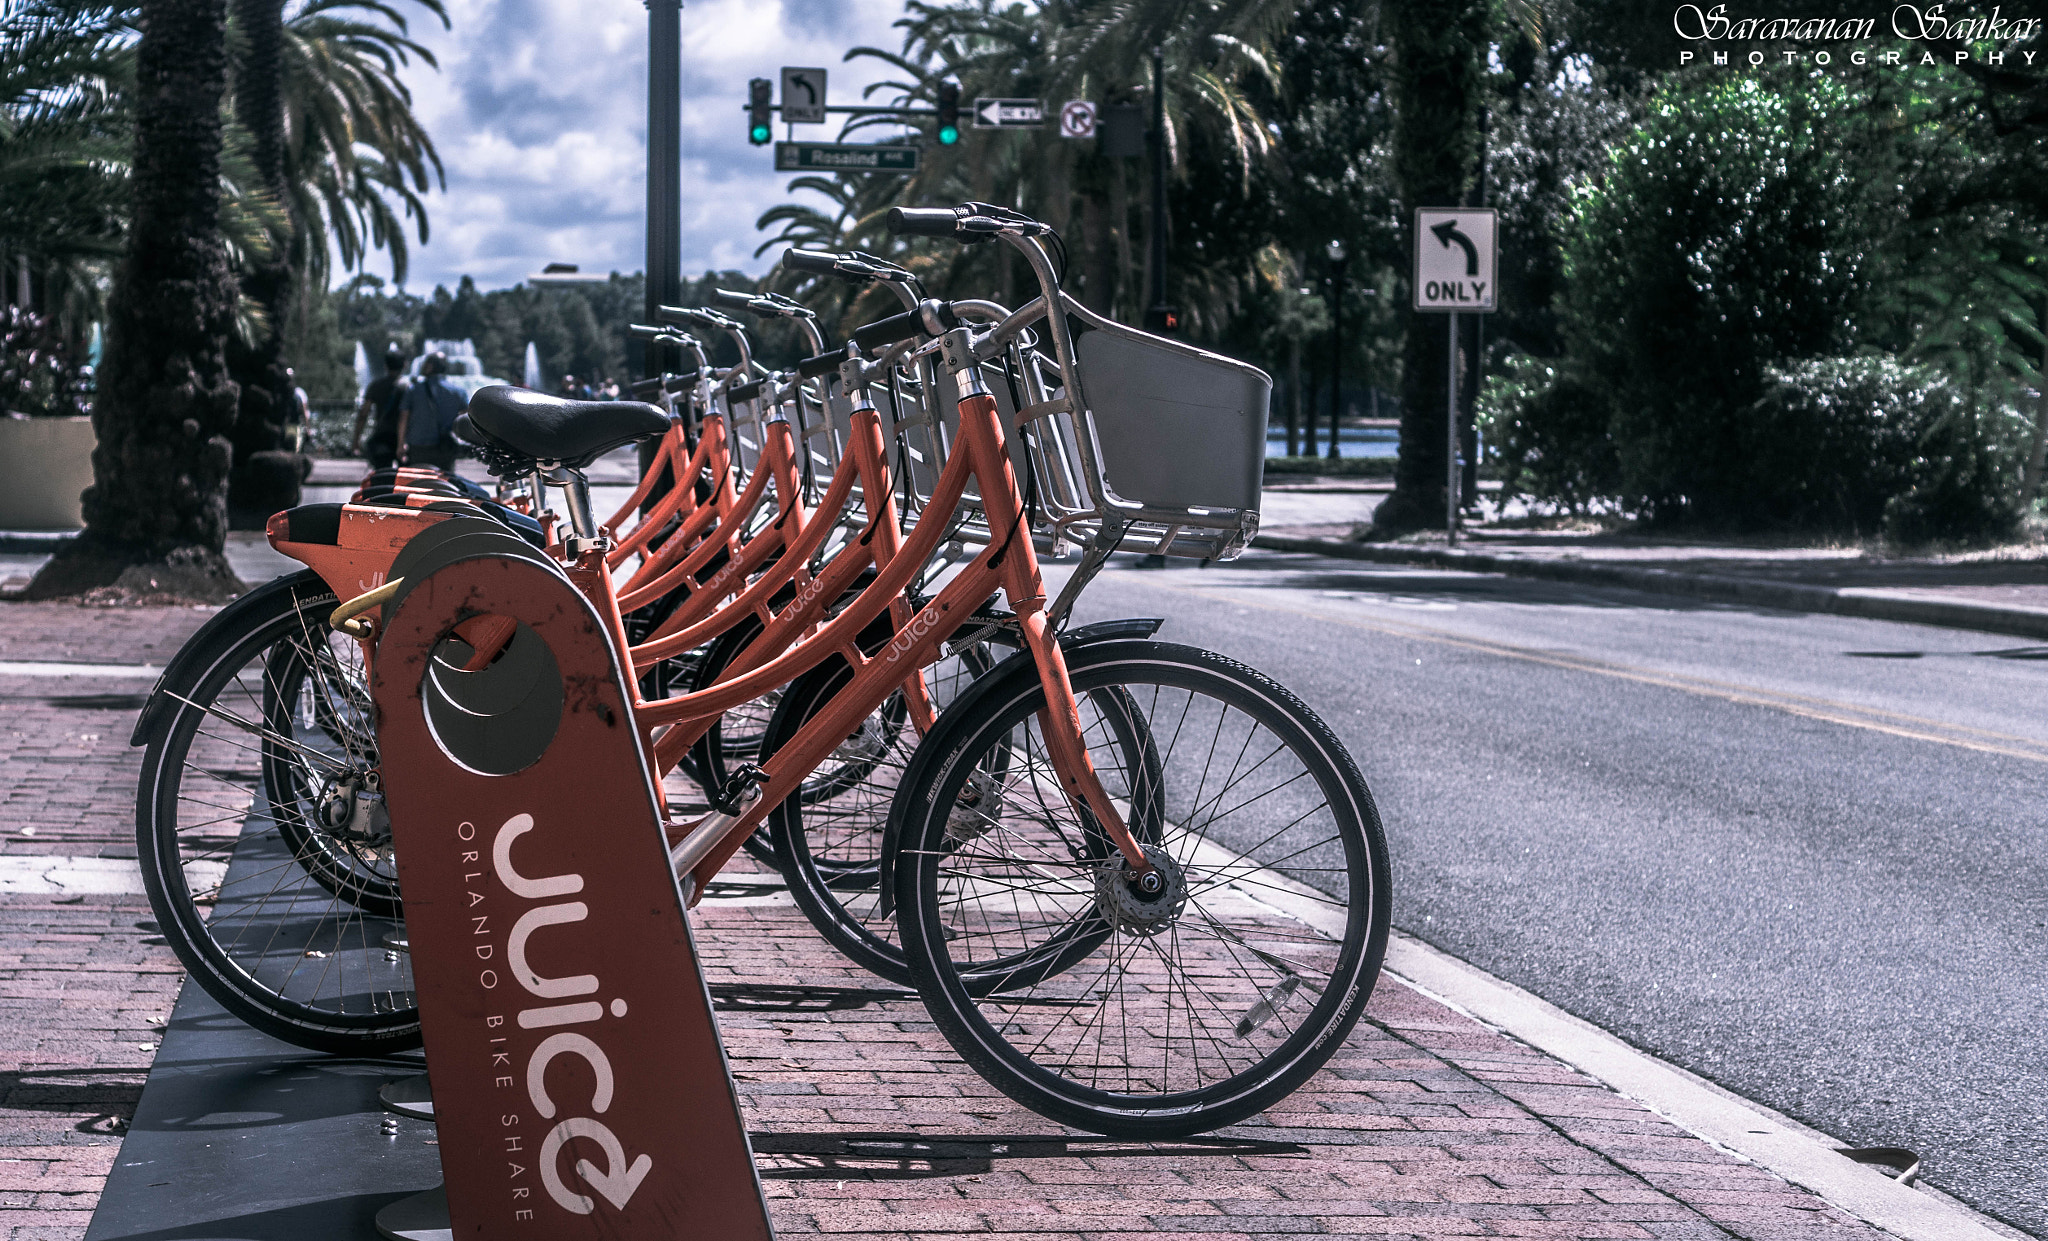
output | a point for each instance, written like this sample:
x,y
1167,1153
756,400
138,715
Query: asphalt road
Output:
x,y
1803,856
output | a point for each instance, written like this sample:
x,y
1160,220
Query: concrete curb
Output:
x,y
1785,596
45,541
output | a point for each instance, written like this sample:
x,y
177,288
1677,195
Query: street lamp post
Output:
x,y
1339,260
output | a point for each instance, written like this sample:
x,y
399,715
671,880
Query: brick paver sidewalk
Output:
x,y
1425,1125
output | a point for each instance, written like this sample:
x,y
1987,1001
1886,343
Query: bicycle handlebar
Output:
x,y
698,315
967,222
930,318
823,364
664,383
924,221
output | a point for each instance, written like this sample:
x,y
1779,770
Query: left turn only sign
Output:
x,y
803,96
1457,257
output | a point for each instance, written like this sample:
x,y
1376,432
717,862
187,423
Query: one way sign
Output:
x,y
1008,114
1456,259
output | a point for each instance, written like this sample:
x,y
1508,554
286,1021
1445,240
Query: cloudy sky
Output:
x,y
539,110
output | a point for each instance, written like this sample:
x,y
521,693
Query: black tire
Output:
x,y
829,837
1195,1008
291,924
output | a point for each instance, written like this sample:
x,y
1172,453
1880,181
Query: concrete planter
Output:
x,y
44,464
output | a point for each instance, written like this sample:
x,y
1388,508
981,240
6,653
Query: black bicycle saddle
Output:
x,y
552,428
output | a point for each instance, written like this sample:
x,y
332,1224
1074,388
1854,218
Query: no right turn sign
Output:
x,y
1456,258
1077,119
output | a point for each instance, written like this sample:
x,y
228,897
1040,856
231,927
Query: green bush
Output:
x,y
1726,238
1855,445
1549,432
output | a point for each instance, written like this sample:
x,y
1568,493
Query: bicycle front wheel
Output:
x,y
262,835
1196,1006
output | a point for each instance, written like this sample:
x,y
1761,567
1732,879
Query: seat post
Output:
x,y
575,487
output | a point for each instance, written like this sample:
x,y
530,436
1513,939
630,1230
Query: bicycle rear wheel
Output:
x,y
1185,1010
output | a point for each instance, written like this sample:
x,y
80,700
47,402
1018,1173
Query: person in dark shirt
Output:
x,y
426,418
381,400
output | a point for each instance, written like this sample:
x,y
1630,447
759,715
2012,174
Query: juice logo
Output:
x,y
919,626
617,1180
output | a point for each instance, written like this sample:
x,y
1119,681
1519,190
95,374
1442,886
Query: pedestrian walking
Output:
x,y
426,418
302,409
381,400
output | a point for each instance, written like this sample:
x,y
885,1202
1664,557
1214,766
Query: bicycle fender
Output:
x,y
996,679
179,670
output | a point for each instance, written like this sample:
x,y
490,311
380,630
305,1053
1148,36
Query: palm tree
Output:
x,y
330,132
65,69
155,519
353,143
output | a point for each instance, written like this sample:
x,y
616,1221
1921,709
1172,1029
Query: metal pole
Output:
x,y
1337,361
664,169
1156,315
1451,443
664,186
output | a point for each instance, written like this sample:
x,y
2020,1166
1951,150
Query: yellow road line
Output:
x,y
1891,723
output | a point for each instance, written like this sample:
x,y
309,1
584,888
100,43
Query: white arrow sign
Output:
x,y
803,96
1008,114
1456,259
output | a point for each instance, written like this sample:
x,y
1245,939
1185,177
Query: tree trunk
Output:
x,y
1293,393
261,482
155,516
1439,59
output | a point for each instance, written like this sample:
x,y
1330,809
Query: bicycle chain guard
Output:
x,y
579,1082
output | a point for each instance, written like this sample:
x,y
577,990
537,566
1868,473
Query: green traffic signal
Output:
x,y
947,99
760,102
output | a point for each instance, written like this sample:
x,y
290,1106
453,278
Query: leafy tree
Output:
x,y
155,518
1070,49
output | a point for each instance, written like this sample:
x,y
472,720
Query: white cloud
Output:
x,y
539,111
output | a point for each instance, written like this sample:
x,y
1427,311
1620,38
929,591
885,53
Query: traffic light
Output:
x,y
949,113
760,97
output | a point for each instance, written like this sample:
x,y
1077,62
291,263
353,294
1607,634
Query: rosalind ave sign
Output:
x,y
1456,259
843,157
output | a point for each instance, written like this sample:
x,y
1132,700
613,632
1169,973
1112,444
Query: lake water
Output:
x,y
1351,441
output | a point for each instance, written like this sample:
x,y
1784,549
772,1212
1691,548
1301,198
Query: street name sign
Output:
x,y
1457,256
843,157
803,96
1008,113
1077,119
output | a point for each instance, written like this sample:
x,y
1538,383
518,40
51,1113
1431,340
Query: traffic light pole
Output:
x,y
664,170
1159,318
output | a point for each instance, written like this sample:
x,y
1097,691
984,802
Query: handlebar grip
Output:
x,y
924,221
731,300
745,392
647,331
817,262
694,315
890,330
823,364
